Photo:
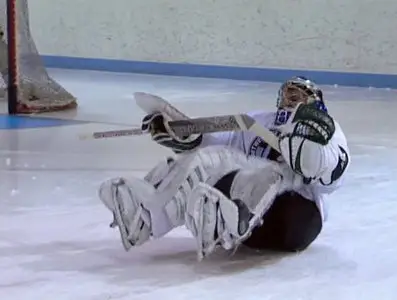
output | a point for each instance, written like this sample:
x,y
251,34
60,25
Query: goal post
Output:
x,y
26,86
12,87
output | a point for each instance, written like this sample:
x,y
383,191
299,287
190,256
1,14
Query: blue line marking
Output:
x,y
225,72
25,122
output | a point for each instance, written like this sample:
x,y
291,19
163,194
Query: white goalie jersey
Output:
x,y
334,160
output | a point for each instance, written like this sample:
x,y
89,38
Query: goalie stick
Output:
x,y
182,126
151,103
241,122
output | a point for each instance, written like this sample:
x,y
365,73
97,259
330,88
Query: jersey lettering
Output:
x,y
259,148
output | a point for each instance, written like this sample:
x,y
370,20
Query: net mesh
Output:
x,y
38,92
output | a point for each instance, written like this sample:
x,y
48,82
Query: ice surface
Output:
x,y
55,242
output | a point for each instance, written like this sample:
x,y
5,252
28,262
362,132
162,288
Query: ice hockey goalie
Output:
x,y
231,188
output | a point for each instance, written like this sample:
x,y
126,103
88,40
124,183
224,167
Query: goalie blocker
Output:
x,y
232,188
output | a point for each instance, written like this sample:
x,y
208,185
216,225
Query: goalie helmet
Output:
x,y
294,91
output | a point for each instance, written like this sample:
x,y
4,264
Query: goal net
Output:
x,y
37,91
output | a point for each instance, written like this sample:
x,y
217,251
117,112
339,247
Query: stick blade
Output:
x,y
150,103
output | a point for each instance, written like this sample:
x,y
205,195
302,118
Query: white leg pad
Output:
x,y
125,199
206,165
159,172
212,218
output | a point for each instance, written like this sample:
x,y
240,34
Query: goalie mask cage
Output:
x,y
26,84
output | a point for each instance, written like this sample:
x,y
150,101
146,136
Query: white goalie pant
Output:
x,y
185,195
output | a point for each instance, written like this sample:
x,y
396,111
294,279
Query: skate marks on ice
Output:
x,y
100,269
58,246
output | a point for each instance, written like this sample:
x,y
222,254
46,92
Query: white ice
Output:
x,y
55,242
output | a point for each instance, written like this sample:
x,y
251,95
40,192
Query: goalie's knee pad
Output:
x,y
125,198
229,212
